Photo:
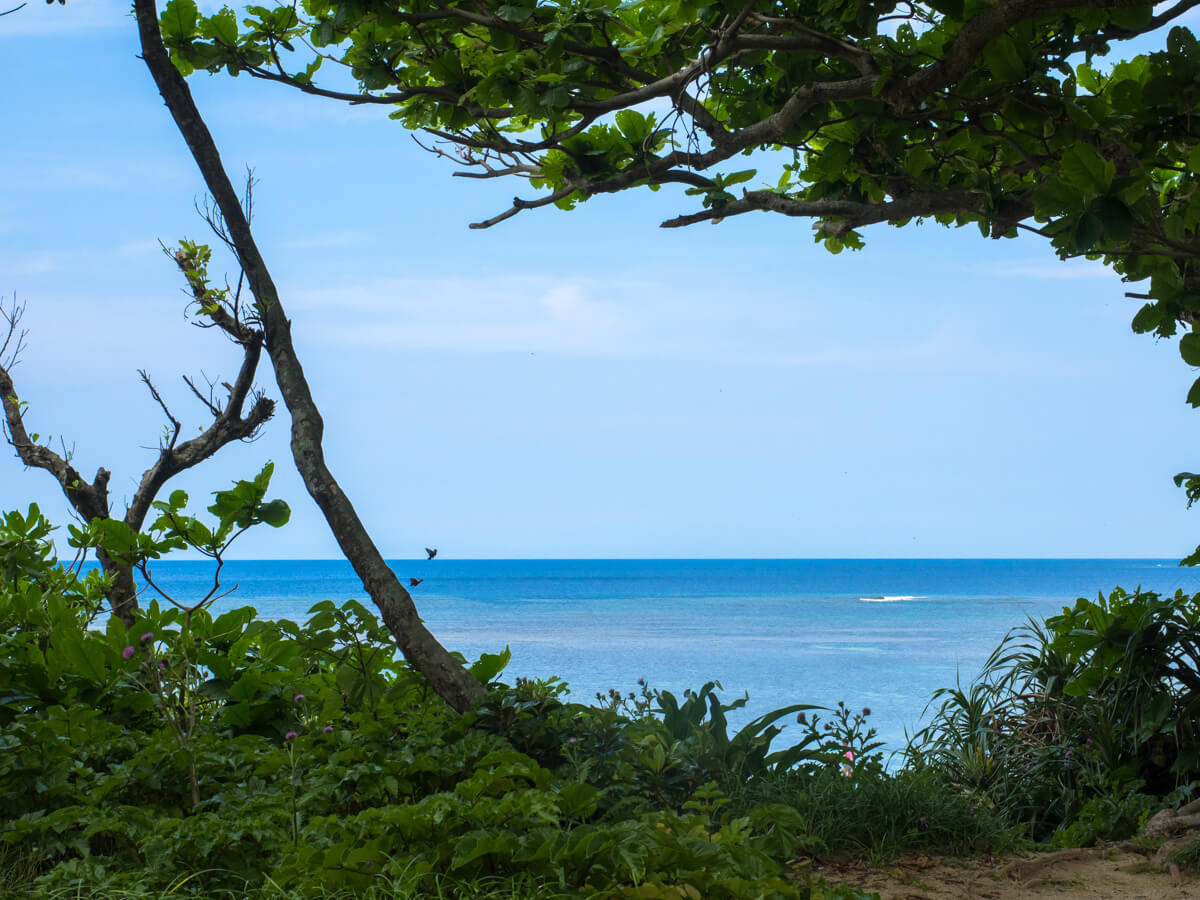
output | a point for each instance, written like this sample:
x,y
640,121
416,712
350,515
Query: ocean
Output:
x,y
882,634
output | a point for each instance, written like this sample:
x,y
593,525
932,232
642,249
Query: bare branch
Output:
x,y
175,424
207,401
13,337
89,500
518,204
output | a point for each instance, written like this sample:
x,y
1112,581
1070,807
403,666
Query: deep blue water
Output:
x,y
882,634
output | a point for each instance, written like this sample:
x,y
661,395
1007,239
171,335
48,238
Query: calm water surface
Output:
x,y
877,633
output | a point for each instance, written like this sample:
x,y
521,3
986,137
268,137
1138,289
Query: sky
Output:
x,y
566,384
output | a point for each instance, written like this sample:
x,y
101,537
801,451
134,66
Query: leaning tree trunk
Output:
x,y
458,687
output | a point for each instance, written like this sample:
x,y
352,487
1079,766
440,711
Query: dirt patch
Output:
x,y
1112,873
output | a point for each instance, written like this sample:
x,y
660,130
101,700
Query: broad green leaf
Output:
x,y
1147,318
1003,58
221,26
1118,221
275,513
1088,230
632,124
178,21
1087,169
1193,397
514,14
1189,348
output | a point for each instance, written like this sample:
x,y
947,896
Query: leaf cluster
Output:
x,y
198,752
1082,723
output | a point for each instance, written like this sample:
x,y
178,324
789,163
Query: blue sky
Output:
x,y
578,384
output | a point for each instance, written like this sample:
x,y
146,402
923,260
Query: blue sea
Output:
x,y
882,634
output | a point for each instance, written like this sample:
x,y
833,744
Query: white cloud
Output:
x,y
486,314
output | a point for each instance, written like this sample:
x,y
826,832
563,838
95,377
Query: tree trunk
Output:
x,y
458,687
122,596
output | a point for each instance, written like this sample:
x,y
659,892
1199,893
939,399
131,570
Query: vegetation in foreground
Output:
x,y
202,755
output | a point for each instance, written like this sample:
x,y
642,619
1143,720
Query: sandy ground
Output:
x,y
1102,874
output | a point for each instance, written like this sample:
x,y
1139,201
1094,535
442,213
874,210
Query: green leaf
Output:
x,y
1003,58
489,665
515,14
950,8
1118,221
1193,397
1088,78
178,21
556,97
275,513
632,125
1086,169
323,34
738,177
1147,318
221,27
1088,230
1189,348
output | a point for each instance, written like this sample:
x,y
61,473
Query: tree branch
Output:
x,y
446,675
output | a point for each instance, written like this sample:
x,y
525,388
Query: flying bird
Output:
x,y
432,553
413,582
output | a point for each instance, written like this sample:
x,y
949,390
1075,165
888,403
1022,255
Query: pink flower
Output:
x,y
328,729
128,652
291,735
866,710
299,698
801,718
148,636
849,754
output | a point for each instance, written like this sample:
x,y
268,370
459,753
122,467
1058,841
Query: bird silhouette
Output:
x,y
432,553
413,582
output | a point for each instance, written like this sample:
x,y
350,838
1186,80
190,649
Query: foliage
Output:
x,y
198,753
1085,718
998,113
882,817
1187,856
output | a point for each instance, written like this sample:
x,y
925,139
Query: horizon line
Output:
x,y
709,559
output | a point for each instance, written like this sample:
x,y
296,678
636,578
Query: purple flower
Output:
x,y
291,735
148,636
369,863
128,652
828,726
642,681
1088,742
1069,752
866,710
573,740
328,729
162,663
299,698
801,718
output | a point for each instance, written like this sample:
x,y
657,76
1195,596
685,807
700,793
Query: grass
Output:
x,y
1187,856
880,818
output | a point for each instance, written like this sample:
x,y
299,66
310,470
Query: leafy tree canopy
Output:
x,y
998,113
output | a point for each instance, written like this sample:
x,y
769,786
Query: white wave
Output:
x,y
897,598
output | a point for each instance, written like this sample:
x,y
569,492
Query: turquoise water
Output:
x,y
882,634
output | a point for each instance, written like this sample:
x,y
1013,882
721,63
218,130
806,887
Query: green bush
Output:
x,y
1078,724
